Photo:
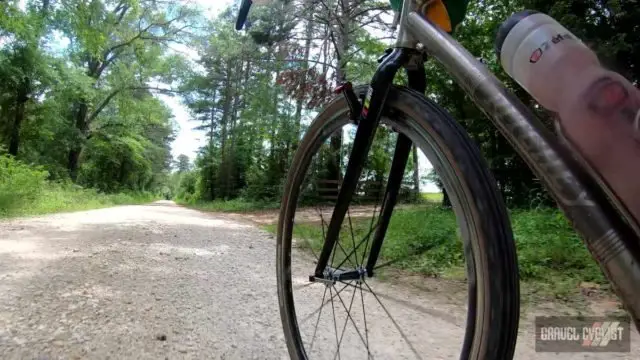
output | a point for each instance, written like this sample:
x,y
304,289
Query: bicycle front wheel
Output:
x,y
383,316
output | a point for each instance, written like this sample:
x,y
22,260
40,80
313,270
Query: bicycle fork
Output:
x,y
369,116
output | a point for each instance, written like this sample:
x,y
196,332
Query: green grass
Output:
x,y
65,198
236,205
552,258
433,197
24,190
553,261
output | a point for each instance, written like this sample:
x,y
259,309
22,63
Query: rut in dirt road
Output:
x,y
161,281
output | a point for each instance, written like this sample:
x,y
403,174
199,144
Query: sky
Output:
x,y
188,140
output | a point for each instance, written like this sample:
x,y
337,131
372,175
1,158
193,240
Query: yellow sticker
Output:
x,y
367,101
437,13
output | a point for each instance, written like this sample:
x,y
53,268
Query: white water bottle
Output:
x,y
598,110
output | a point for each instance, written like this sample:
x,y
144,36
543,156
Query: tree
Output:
x,y
253,92
183,163
120,45
64,67
23,67
343,20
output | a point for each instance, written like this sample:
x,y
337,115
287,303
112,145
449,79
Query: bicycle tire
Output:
x,y
492,271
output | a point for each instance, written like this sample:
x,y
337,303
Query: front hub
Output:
x,y
330,275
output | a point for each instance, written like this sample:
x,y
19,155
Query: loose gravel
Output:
x,y
164,282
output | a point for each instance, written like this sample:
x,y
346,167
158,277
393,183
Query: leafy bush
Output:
x,y
20,184
24,190
187,187
263,184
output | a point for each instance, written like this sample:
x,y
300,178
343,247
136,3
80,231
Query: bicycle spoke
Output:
x,y
352,321
347,257
364,253
322,223
298,287
404,336
371,227
358,246
322,305
315,330
344,327
353,238
310,246
335,325
333,255
364,316
391,262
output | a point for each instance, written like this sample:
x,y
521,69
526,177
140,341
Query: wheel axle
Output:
x,y
331,276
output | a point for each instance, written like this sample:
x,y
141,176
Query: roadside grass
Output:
x,y
552,259
25,190
56,197
241,205
434,197
236,205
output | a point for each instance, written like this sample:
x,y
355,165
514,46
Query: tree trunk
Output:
x,y
14,141
446,202
245,92
18,119
235,108
81,120
305,67
76,148
416,174
341,37
226,109
211,154
274,115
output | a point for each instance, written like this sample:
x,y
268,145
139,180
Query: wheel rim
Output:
x,y
343,295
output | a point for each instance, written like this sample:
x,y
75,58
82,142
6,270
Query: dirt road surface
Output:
x,y
164,282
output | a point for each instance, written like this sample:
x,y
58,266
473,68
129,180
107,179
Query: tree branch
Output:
x,y
115,92
142,32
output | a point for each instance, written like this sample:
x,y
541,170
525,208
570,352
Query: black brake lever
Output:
x,y
244,12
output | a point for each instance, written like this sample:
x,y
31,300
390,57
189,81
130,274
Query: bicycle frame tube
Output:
x,y
369,120
611,240
417,81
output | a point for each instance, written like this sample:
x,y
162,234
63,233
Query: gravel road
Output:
x,y
164,282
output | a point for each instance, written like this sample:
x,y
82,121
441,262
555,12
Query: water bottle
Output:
x,y
598,110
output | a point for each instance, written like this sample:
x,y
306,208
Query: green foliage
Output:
x,y
130,151
187,187
433,197
553,260
251,96
477,33
76,93
238,205
57,197
546,244
20,184
24,190
183,163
